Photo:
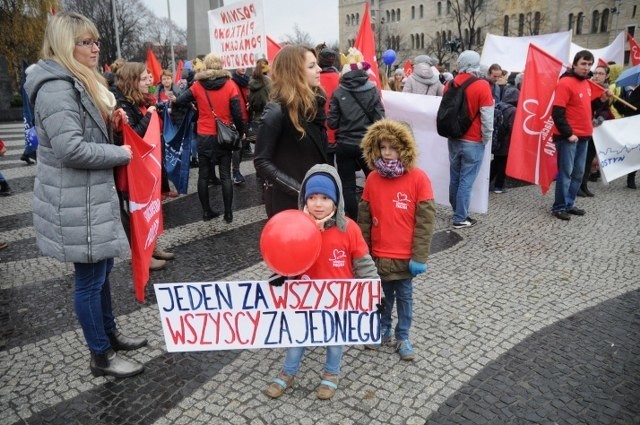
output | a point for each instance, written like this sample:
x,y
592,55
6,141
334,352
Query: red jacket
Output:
x,y
220,100
329,81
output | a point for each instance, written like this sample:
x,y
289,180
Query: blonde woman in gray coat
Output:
x,y
75,207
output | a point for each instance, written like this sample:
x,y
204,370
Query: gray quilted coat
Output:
x,y
76,214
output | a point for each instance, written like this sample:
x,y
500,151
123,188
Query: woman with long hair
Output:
x,y
75,207
214,93
292,136
132,95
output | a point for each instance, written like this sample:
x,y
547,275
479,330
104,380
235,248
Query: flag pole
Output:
x,y
115,27
173,59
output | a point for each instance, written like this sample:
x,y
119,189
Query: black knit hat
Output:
x,y
327,57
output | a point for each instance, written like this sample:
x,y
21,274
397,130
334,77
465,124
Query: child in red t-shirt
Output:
x,y
397,217
343,255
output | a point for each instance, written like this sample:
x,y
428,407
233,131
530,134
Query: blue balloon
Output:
x,y
389,57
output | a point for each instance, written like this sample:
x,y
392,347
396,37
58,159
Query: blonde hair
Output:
x,y
60,37
128,82
212,61
290,86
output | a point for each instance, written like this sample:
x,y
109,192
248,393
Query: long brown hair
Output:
x,y
290,87
128,82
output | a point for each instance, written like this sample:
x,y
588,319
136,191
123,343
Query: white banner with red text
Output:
x,y
618,147
237,33
207,316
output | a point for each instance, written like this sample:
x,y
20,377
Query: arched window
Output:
x,y
422,40
357,19
413,41
413,12
570,26
439,8
393,15
579,23
388,40
397,42
438,35
448,7
444,38
353,19
595,21
348,20
398,14
479,35
388,16
604,21
449,35
466,36
505,25
536,23
521,24
421,11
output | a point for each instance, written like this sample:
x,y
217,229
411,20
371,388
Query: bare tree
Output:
x,y
467,15
299,37
438,50
160,36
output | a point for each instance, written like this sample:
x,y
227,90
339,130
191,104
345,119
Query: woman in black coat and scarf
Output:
x,y
292,136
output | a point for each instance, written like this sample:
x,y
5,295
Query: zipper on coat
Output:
x,y
89,216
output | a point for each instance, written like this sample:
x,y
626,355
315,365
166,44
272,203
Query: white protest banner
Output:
x,y
612,52
237,33
617,147
511,52
420,112
203,316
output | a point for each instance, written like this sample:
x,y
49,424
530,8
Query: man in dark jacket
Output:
x,y
354,106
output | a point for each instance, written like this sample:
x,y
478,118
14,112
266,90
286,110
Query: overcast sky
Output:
x,y
318,18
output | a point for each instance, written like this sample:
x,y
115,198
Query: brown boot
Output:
x,y
160,254
156,264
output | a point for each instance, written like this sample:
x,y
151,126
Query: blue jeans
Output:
x,y
400,292
295,354
92,301
465,159
571,161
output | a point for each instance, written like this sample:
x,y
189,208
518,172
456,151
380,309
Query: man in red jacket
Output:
x,y
572,115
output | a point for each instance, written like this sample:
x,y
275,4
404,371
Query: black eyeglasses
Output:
x,y
88,43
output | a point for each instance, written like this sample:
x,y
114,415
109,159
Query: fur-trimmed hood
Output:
x,y
398,133
213,79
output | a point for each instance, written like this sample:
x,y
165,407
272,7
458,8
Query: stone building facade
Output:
x,y
413,27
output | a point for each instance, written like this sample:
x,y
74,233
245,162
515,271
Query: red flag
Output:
x,y
272,49
602,62
596,90
178,75
532,154
144,199
365,42
107,67
408,68
153,66
634,51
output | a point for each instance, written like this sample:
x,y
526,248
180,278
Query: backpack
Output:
x,y
453,119
500,126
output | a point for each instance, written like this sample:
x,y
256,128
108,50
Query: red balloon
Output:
x,y
290,242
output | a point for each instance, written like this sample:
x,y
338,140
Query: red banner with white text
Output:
x,y
145,208
532,154
634,51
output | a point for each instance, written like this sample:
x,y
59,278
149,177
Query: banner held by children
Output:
x,y
237,33
207,316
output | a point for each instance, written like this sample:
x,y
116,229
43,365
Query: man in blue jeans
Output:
x,y
466,153
572,106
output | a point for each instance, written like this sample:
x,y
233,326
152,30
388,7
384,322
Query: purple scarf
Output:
x,y
389,169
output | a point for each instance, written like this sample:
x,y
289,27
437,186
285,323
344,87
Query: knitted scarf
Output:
x,y
389,169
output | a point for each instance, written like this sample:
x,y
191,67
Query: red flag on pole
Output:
x,y
532,154
144,199
634,51
272,49
178,76
365,42
602,62
408,68
153,66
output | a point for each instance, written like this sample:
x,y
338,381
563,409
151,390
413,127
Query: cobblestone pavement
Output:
x,y
521,319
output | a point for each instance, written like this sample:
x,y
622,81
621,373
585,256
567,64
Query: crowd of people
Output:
x,y
314,126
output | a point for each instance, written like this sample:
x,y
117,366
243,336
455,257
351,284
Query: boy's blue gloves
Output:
x,y
416,267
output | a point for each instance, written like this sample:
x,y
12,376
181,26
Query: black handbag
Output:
x,y
228,136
